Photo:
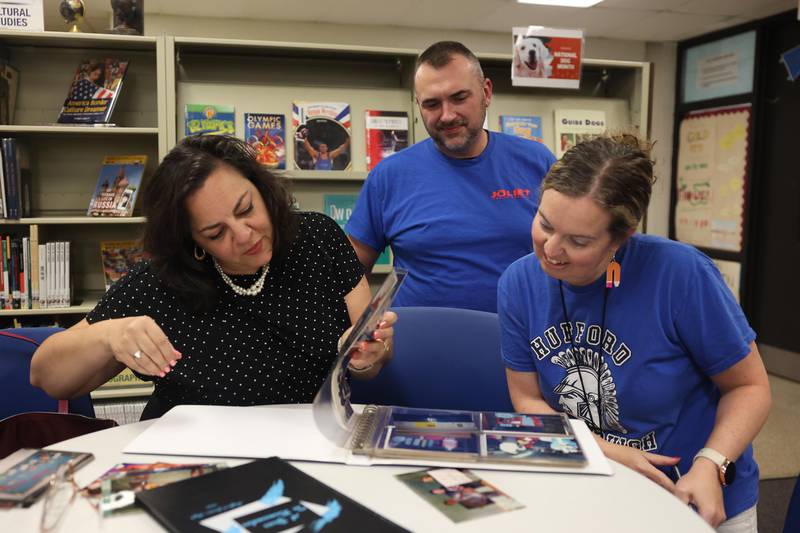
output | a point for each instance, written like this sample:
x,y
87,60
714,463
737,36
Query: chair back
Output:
x,y
16,349
444,358
792,522
37,430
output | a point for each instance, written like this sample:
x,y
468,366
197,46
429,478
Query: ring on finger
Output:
x,y
137,354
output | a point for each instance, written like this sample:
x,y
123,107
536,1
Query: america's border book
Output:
x,y
210,119
386,133
94,91
118,185
266,134
339,207
266,495
118,257
525,126
322,135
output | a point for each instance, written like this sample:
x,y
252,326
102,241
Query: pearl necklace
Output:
x,y
254,289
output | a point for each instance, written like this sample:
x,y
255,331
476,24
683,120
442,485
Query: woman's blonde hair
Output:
x,y
615,170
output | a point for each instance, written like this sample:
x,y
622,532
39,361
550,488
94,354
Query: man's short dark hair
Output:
x,y
440,55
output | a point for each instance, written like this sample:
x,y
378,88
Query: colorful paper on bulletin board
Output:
x,y
712,176
719,68
339,207
546,57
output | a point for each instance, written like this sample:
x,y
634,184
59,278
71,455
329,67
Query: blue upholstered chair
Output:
x,y
443,359
792,523
19,396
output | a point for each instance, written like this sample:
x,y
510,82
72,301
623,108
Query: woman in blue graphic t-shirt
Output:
x,y
636,335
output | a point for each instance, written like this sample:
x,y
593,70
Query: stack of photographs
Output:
x,y
476,436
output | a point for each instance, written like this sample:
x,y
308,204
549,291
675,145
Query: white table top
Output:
x,y
624,502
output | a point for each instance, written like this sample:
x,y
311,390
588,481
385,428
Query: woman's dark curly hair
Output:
x,y
167,239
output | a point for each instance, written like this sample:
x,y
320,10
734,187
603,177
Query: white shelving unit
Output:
x,y
64,161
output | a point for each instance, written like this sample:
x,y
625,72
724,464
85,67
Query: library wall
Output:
x,y
661,54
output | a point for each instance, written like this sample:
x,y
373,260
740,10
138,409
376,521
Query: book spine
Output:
x,y
67,277
7,272
59,274
34,272
15,273
364,430
25,288
12,176
50,275
42,276
3,275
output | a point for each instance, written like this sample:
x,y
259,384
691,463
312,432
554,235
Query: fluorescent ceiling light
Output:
x,y
562,3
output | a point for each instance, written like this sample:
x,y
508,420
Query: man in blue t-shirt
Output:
x,y
457,208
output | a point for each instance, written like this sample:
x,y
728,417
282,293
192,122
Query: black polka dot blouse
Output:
x,y
275,347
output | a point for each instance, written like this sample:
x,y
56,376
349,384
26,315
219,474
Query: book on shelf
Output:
x,y
94,91
118,185
9,85
573,126
264,495
209,119
322,135
125,380
339,207
386,134
35,275
266,134
117,258
12,177
525,126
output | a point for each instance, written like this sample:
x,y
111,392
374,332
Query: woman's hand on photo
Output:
x,y
643,462
379,349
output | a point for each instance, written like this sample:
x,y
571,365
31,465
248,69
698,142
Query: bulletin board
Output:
x,y
712,177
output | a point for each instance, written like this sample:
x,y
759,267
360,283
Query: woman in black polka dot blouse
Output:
x,y
241,302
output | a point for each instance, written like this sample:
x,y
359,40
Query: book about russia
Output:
x,y
94,91
205,119
386,134
118,258
266,134
266,495
119,183
322,135
333,430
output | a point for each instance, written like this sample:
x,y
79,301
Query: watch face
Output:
x,y
729,473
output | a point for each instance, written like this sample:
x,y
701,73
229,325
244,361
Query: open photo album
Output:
x,y
411,433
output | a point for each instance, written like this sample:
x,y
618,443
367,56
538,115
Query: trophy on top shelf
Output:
x,y
73,12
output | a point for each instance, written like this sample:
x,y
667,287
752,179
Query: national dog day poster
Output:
x,y
546,57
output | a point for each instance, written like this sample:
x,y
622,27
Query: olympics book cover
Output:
x,y
94,91
266,134
322,135
386,134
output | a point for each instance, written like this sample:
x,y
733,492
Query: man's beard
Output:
x,y
457,145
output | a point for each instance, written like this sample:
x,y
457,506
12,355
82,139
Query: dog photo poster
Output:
x,y
546,57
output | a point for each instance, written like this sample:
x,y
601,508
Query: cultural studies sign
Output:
x,y
24,15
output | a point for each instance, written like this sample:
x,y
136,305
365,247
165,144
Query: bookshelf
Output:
x,y
267,76
64,161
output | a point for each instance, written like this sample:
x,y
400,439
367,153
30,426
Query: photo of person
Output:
x,y
567,141
322,144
